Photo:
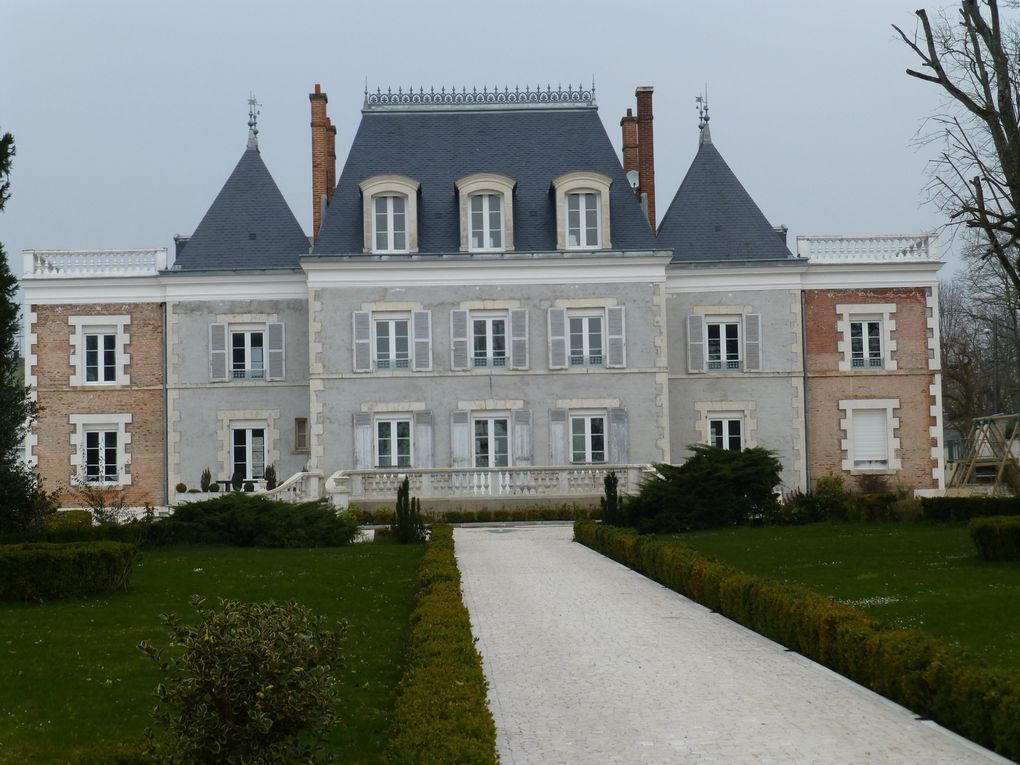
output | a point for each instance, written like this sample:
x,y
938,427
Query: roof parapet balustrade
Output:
x,y
85,264
919,248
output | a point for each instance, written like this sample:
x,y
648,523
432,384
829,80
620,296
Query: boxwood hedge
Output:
x,y
43,570
996,538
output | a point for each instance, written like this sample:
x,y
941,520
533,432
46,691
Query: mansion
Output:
x,y
488,304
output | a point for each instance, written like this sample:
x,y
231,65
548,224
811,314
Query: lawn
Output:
x,y
72,677
919,575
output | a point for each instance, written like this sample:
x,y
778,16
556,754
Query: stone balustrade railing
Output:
x,y
81,264
300,487
868,249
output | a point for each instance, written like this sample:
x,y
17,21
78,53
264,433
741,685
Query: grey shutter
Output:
x,y
277,368
558,437
616,337
421,326
218,353
362,341
423,440
459,339
519,357
521,419
619,442
557,338
364,445
460,440
695,343
752,342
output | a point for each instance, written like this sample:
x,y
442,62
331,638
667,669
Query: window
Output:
x,y
486,222
393,443
871,443
486,202
390,205
582,220
247,354
723,344
101,357
726,433
866,344
390,224
301,434
392,339
492,442
246,351
392,343
864,336
582,211
585,339
101,457
249,452
587,438
870,426
489,341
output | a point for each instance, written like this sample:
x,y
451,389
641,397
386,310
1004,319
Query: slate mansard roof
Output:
x,y
436,146
713,218
248,226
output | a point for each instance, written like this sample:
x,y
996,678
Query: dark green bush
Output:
x,y
932,678
965,508
205,481
408,527
236,480
270,477
442,714
39,570
251,683
873,508
181,488
64,520
997,537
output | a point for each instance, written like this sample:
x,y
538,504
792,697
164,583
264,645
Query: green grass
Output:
x,y
71,677
919,575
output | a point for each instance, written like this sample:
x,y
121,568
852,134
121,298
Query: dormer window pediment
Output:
x,y
390,208
486,204
582,211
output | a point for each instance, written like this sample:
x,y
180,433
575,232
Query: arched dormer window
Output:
x,y
486,203
390,205
582,211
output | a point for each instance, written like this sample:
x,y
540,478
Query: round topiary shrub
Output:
x,y
181,488
214,487
249,486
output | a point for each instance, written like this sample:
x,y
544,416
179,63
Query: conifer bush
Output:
x,y
408,526
206,480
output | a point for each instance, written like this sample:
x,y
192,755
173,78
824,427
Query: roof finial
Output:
x,y
253,122
703,118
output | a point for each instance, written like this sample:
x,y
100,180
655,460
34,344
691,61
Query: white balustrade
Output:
x,y
300,487
868,249
81,264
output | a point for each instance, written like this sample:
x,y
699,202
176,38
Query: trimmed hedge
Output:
x,y
43,570
996,538
442,714
932,678
965,508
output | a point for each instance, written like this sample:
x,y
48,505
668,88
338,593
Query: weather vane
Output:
x,y
253,121
702,108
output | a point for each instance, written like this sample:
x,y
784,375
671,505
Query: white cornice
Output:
x,y
159,288
801,276
122,289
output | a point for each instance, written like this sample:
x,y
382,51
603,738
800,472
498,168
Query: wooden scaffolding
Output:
x,y
990,458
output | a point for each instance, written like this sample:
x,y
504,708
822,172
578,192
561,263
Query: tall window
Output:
x,y
392,346
301,434
583,219
247,354
489,341
101,358
586,340
492,442
866,344
723,345
249,453
588,438
390,223
487,222
871,439
726,433
101,456
393,443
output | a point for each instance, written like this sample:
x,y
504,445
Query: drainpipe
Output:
x,y
804,385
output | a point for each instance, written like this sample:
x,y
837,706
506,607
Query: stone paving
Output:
x,y
589,662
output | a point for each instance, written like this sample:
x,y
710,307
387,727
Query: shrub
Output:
x,y
873,508
214,487
64,520
996,538
193,491
612,507
206,480
236,479
251,683
965,508
441,713
907,509
38,570
408,527
249,487
797,507
832,498
270,476
181,488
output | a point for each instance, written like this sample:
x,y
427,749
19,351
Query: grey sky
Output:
x,y
128,116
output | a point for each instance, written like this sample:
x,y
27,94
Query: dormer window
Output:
x,y
390,204
582,211
486,213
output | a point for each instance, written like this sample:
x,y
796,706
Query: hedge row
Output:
x,y
930,677
996,538
441,713
965,508
43,570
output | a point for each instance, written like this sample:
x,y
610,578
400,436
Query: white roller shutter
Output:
x,y
871,438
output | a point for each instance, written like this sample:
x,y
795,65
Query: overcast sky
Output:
x,y
129,116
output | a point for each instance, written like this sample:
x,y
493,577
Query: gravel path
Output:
x,y
589,662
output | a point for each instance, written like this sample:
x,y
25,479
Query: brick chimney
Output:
x,y
630,142
323,158
646,151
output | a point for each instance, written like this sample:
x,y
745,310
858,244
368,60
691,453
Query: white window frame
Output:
x,y
584,182
586,418
726,362
249,429
247,332
490,418
107,474
81,425
393,421
489,360
745,411
588,237
587,358
392,362
889,405
487,201
866,358
498,187
726,420
849,313
390,186
104,336
390,213
82,327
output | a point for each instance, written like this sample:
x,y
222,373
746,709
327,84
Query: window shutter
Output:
x,y
871,437
522,436
752,342
558,437
619,451
421,326
695,343
557,338
616,337
459,339
217,352
362,341
460,440
277,368
364,446
423,440
519,357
